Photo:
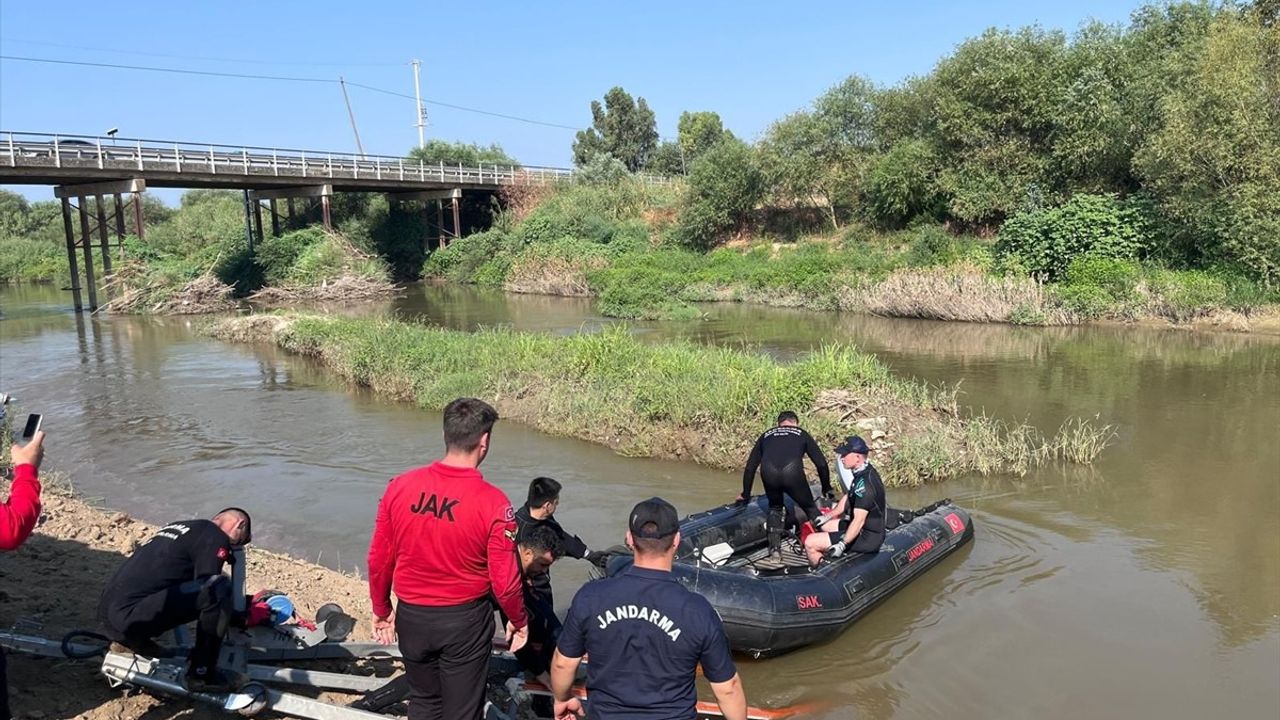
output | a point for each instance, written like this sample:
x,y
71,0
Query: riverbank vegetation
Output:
x,y
675,400
1031,177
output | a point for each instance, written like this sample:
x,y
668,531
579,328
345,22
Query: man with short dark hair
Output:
x,y
445,540
857,522
646,635
539,511
538,546
779,455
172,579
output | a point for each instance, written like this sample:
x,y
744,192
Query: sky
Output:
x,y
752,62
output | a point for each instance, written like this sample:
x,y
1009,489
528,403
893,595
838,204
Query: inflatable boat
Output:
x,y
772,605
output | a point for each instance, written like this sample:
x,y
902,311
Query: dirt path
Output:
x,y
55,579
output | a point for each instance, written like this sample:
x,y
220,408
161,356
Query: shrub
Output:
x,y
1185,295
1046,241
459,260
277,255
1086,301
724,185
1118,277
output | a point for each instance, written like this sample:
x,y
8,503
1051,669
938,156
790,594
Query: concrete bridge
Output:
x,y
83,166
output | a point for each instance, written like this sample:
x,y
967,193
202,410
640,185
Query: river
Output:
x,y
1147,584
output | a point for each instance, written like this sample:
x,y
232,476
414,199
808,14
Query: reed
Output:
x,y
675,400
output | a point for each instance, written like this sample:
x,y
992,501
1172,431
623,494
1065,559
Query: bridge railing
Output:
x,y
90,152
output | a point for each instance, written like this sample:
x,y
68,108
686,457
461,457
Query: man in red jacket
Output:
x,y
18,518
445,540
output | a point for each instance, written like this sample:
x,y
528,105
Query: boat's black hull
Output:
x,y
772,612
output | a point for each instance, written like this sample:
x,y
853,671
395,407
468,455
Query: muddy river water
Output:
x,y
1147,585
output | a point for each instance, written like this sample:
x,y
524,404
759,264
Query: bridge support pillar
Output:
x,y
85,241
275,218
457,218
71,255
324,192
454,197
257,221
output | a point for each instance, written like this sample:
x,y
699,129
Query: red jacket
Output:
x,y
18,515
444,537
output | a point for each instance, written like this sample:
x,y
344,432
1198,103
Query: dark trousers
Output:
x,y
207,601
778,484
446,657
544,630
4,689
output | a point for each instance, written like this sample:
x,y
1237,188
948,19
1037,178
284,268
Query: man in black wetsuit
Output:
x,y
857,523
539,511
172,579
779,455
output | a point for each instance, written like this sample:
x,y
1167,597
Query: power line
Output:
x,y
176,71
282,78
200,58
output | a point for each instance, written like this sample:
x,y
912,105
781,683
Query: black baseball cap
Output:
x,y
656,511
852,444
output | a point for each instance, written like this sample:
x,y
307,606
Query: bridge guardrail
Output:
x,y
23,149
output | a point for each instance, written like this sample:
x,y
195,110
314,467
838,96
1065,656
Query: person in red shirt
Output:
x,y
18,517
444,540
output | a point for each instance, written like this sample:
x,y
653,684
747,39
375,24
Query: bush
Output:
x,y
1086,301
724,186
1118,277
1185,295
26,260
1046,241
277,255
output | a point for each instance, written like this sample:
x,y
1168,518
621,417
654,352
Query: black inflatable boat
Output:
x,y
770,605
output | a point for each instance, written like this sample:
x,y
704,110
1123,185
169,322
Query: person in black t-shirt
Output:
x,y
539,511
646,635
858,519
173,579
779,454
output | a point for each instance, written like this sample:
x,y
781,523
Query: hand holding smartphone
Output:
x,y
31,449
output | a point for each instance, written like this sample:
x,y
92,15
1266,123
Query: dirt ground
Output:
x,y
55,579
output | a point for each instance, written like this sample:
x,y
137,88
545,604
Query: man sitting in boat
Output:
x,y
779,454
857,522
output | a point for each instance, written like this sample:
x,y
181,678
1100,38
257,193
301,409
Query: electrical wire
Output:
x,y
284,78
199,58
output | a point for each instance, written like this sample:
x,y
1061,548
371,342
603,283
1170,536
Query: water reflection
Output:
x,y
1148,584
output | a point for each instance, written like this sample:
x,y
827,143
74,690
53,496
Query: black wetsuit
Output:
x,y
866,492
539,587
779,454
174,578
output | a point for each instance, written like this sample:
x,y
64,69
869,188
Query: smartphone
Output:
x,y
32,427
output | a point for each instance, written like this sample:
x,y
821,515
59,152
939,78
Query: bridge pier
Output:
x,y
454,197
324,192
85,240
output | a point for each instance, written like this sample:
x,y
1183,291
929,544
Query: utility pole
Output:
x,y
351,114
417,94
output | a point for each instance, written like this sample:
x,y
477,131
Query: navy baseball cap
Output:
x,y
852,444
656,511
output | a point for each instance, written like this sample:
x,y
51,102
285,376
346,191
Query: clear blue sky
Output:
x,y
752,62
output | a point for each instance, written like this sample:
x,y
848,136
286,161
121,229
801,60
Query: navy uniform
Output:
x,y
646,635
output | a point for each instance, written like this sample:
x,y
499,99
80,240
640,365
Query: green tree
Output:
x,y
667,159
1214,167
724,186
902,184
698,131
622,127
435,152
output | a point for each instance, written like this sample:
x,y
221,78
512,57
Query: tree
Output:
x,y
435,152
667,159
623,127
1214,167
902,184
698,131
724,186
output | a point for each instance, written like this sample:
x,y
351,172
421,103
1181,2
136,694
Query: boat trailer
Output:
x,y
266,656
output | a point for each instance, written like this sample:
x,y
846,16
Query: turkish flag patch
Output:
x,y
223,554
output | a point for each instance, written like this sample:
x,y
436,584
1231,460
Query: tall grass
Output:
x,y
678,400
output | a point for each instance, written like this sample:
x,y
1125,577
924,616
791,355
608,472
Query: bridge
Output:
x,y
83,166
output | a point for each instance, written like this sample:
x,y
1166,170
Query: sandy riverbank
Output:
x,y
55,579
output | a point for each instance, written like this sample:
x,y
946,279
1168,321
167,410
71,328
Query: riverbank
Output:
x,y
55,578
923,273
675,400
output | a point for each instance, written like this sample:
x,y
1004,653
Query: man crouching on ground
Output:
x,y
172,579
